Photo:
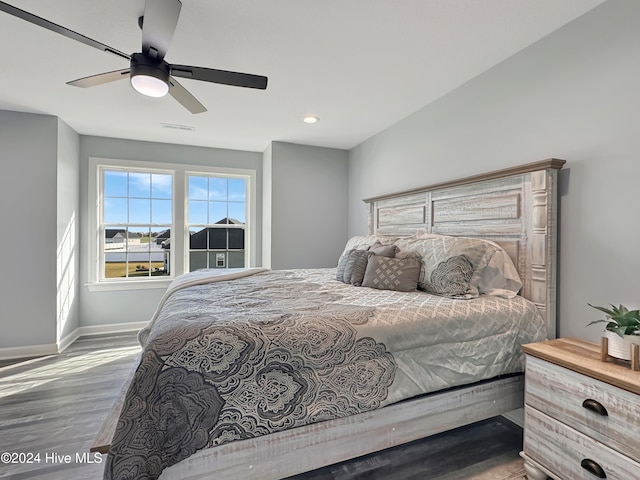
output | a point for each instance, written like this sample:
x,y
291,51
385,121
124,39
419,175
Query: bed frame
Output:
x,y
516,208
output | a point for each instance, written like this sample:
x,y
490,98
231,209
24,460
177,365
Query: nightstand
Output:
x,y
582,415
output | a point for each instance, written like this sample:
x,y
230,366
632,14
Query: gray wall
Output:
x,y
67,236
128,306
308,205
574,95
44,188
266,205
28,245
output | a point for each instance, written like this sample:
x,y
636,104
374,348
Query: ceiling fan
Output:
x,y
149,73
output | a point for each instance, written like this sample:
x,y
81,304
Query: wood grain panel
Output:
x,y
561,449
559,393
584,357
486,228
551,163
487,450
477,208
402,215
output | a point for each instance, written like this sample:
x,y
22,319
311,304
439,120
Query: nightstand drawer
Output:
x,y
564,451
599,410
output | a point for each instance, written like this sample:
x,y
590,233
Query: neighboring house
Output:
x,y
217,237
226,243
116,238
162,236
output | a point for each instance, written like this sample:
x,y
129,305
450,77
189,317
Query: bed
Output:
x,y
266,374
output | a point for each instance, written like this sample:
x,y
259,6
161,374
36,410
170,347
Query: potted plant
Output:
x,y
622,329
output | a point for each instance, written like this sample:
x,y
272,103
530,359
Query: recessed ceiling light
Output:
x,y
310,119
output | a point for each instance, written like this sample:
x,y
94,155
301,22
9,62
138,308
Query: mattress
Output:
x,y
253,352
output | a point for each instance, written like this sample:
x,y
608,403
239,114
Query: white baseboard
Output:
x,y
67,340
111,328
9,353
28,351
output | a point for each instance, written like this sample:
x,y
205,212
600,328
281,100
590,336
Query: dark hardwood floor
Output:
x,y
53,406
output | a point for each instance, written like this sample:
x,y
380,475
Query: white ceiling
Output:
x,y
360,65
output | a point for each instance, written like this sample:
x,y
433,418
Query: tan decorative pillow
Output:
x,y
383,250
386,273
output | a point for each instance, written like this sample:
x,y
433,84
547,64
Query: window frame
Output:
x,y
179,260
207,225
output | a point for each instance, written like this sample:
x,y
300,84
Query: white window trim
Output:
x,y
178,262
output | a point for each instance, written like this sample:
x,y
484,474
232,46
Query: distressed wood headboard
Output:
x,y
515,207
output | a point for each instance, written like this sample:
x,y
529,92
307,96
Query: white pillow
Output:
x,y
500,277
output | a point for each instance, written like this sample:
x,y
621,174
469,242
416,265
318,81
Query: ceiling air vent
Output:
x,y
174,126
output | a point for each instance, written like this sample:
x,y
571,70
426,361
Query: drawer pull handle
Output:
x,y
593,468
595,406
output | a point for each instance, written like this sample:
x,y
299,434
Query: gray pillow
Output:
x,y
342,263
354,267
383,250
387,273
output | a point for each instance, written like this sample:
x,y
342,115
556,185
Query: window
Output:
x,y
136,218
154,221
217,218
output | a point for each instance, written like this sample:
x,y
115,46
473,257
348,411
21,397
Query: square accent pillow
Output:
x,y
386,273
383,250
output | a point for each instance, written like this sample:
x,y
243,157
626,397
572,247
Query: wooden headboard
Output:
x,y
514,207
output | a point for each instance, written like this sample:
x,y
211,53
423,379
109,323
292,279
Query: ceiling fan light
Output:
x,y
149,85
149,77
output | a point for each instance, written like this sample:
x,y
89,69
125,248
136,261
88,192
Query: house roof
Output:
x,y
229,221
113,232
164,234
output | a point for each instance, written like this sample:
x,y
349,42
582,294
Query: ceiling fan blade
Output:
x,y
54,27
100,78
224,77
159,23
187,100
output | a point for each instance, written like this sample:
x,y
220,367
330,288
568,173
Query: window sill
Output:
x,y
129,285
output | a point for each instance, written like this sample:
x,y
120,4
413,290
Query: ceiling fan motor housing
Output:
x,y
142,65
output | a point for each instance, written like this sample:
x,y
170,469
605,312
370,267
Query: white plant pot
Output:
x,y
620,347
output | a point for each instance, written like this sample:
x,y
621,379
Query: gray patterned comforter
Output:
x,y
270,350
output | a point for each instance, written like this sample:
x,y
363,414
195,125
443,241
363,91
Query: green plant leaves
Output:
x,y
620,319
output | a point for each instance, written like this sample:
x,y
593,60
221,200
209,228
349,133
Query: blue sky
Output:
x,y
145,198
